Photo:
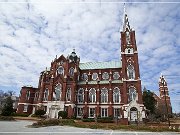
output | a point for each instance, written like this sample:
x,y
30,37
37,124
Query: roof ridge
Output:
x,y
100,62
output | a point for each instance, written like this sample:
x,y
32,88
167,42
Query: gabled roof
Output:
x,y
100,65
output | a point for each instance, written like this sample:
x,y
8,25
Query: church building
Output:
x,y
163,102
92,89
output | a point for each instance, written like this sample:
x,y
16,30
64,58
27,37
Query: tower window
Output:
x,y
132,94
130,72
127,38
71,71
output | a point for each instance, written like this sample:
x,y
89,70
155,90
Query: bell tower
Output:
x,y
130,64
164,93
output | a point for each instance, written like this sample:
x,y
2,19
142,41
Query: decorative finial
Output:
x,y
124,8
125,21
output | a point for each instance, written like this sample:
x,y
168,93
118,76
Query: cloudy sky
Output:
x,y
32,33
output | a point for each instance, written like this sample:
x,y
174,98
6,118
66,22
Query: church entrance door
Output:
x,y
133,114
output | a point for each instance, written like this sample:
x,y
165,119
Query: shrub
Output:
x,y
20,114
53,122
8,118
88,120
39,112
62,114
105,120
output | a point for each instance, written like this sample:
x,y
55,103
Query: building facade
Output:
x,y
93,89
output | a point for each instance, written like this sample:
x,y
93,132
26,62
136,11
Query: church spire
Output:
x,y
125,21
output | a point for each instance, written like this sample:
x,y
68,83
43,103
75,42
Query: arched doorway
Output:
x,y
133,114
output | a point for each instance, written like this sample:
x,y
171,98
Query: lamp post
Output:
x,y
163,83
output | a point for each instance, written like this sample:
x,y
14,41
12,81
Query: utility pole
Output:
x,y
167,113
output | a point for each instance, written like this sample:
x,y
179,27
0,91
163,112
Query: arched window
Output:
x,y
116,95
45,98
68,94
28,95
132,94
71,71
128,38
130,72
104,95
92,95
80,96
57,92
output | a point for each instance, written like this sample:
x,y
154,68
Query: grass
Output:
x,y
94,125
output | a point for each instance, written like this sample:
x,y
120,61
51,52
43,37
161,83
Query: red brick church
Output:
x,y
90,89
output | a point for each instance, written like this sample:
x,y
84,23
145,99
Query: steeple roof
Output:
x,y
126,21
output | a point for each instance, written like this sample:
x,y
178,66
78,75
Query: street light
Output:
x,y
163,83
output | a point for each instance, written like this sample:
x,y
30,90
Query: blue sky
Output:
x,y
33,32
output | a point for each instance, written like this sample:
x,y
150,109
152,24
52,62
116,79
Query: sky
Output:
x,y
33,32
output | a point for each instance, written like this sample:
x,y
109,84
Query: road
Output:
x,y
20,128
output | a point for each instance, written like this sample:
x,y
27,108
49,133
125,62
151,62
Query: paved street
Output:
x,y
20,127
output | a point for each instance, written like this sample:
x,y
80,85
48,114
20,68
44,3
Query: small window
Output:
x,y
105,76
25,108
84,76
116,112
79,112
68,94
116,75
91,112
61,70
94,76
104,112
